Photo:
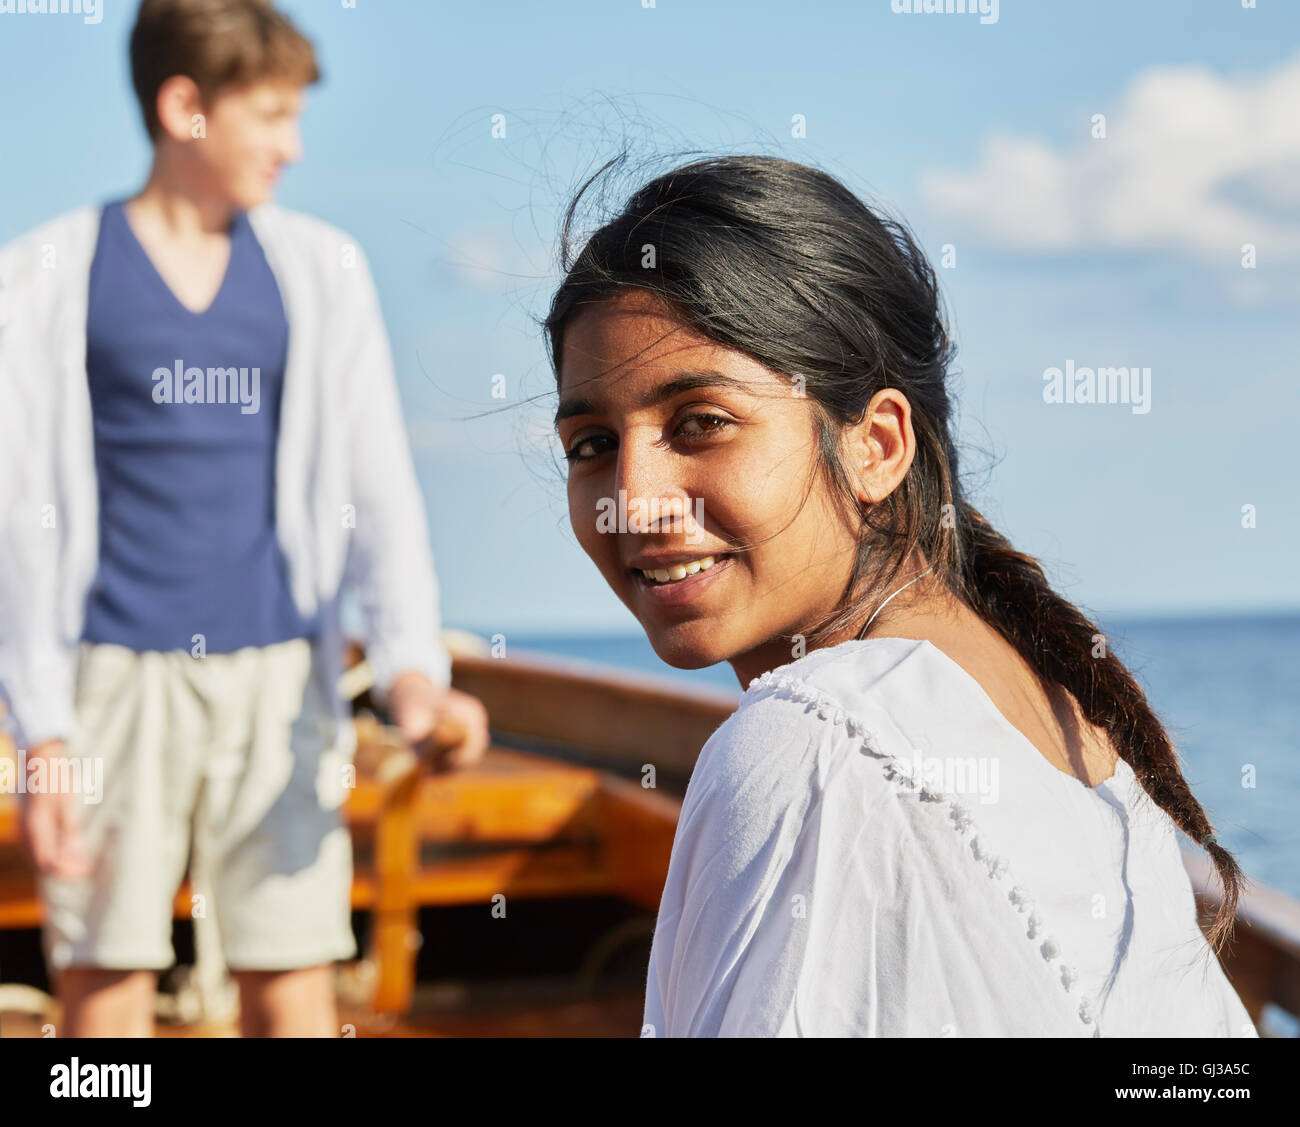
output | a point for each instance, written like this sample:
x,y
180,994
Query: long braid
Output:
x,y
1009,591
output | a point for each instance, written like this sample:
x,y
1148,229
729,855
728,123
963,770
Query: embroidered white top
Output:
x,y
868,847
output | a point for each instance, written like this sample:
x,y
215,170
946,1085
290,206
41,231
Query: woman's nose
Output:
x,y
653,487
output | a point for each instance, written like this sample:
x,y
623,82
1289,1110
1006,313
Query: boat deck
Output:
x,y
506,1008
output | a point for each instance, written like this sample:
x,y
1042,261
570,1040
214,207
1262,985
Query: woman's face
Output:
x,y
713,452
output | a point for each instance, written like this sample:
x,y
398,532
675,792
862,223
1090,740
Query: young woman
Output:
x,y
943,807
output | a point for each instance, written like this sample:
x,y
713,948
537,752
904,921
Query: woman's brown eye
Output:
x,y
573,454
719,424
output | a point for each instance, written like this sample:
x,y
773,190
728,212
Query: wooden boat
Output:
x,y
576,802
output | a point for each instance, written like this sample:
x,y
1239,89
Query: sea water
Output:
x,y
1227,690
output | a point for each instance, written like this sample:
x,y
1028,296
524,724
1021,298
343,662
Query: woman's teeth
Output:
x,y
679,571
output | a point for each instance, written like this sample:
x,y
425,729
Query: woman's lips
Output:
x,y
680,591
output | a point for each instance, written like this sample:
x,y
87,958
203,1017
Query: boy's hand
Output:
x,y
51,824
418,708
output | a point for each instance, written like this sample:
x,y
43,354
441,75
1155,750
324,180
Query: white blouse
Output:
x,y
869,848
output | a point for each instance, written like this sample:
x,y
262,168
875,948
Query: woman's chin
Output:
x,y
688,646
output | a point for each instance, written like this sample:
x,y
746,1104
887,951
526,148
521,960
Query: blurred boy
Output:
x,y
203,438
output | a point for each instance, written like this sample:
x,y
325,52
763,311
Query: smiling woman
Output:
x,y
755,355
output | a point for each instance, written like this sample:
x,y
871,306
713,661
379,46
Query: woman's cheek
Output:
x,y
583,516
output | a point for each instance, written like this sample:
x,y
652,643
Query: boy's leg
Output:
x,y
290,1003
275,844
106,936
107,1003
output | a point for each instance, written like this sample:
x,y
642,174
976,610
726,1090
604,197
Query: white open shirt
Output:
x,y
348,509
815,890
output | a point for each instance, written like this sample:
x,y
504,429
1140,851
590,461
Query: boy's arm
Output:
x,y
390,558
36,663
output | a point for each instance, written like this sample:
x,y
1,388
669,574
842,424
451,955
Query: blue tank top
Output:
x,y
186,410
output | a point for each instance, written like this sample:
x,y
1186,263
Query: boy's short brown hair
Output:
x,y
217,43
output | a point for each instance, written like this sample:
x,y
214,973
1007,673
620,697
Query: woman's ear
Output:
x,y
881,447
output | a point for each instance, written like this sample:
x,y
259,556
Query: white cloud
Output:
x,y
1192,163
488,258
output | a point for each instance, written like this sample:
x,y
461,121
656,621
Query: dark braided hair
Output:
x,y
782,262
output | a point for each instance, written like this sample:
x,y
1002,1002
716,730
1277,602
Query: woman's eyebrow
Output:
x,y
684,381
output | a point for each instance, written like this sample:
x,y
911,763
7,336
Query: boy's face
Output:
x,y
252,133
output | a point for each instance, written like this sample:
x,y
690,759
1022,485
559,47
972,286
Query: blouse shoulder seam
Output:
x,y
798,690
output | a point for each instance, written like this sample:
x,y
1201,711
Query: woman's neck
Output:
x,y
920,608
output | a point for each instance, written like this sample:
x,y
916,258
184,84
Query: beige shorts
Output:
x,y
224,762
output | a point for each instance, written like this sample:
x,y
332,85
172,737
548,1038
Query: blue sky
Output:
x,y
1122,250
